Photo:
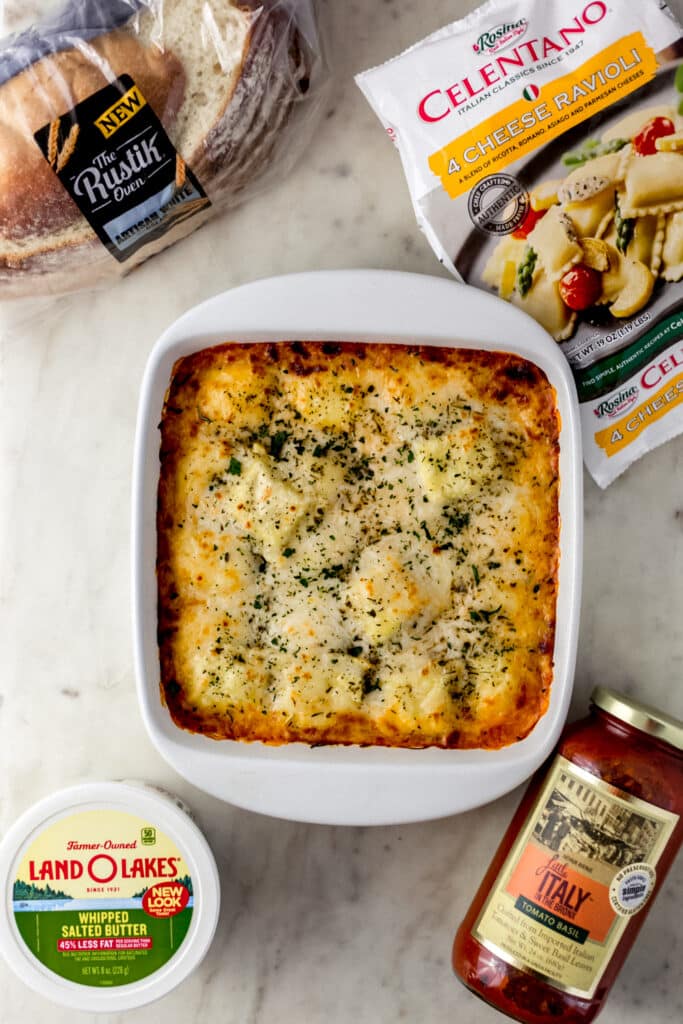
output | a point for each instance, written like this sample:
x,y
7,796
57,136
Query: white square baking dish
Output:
x,y
335,784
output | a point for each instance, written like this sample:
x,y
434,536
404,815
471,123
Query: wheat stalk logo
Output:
x,y
59,158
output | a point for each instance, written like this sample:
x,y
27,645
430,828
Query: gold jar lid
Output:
x,y
640,716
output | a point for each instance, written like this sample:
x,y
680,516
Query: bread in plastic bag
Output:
x,y
125,124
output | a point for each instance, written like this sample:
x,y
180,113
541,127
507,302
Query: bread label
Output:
x,y
119,166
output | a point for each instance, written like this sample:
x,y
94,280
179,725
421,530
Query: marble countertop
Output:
x,y
317,923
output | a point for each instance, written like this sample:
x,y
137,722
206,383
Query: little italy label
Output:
x,y
582,865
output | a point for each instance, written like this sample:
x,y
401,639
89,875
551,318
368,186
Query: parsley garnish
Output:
x,y
277,443
370,681
484,615
235,467
457,521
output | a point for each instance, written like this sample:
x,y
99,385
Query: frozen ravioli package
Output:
x,y
542,141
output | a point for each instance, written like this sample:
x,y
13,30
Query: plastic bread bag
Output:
x,y
542,141
125,124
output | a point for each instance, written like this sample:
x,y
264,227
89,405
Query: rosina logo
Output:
x,y
501,36
617,404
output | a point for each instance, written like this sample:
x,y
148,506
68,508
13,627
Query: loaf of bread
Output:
x,y
224,77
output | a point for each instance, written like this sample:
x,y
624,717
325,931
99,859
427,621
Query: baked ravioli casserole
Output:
x,y
358,543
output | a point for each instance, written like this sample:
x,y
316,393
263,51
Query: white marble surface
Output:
x,y
317,924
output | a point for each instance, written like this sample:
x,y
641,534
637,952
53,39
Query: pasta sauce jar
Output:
x,y
571,883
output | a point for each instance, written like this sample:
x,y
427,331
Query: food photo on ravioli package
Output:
x,y
542,143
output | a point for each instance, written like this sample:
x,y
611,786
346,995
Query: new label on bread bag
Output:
x,y
121,169
543,146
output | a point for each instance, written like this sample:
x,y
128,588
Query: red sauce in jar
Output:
x,y
570,884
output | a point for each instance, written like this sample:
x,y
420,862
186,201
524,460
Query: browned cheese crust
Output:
x,y
358,544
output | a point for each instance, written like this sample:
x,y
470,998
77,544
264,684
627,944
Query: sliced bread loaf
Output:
x,y
221,76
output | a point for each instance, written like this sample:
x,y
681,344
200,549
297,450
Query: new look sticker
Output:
x,y
116,161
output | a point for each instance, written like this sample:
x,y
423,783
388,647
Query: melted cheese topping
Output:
x,y
358,544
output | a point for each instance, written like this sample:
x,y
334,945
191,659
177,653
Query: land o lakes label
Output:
x,y
102,897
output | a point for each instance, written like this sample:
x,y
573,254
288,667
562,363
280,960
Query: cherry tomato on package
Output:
x,y
645,141
580,287
529,223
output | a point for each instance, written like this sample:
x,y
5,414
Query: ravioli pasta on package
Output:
x,y
542,141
